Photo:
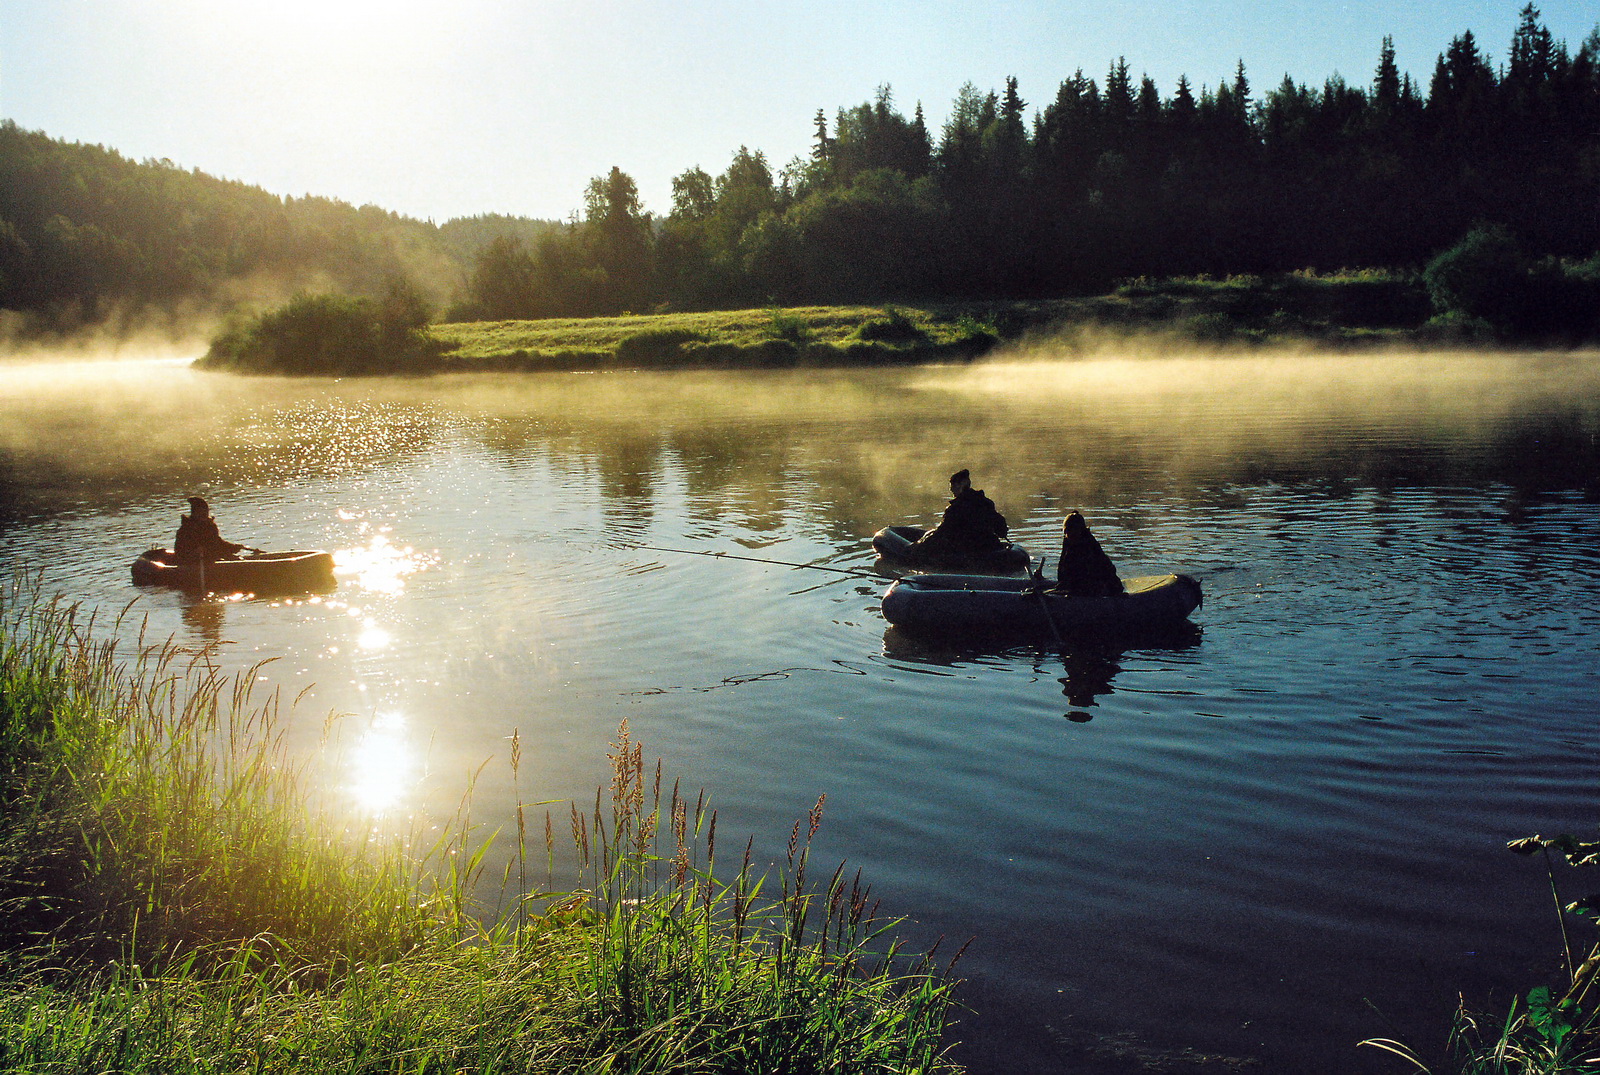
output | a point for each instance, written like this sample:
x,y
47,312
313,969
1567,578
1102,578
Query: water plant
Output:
x,y
176,895
1551,1031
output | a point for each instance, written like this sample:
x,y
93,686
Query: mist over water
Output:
x,y
1272,838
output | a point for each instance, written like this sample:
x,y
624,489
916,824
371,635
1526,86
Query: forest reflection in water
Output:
x,y
1232,839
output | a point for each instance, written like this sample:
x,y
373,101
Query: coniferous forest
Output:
x,y
1109,177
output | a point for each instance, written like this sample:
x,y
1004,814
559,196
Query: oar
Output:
x,y
758,560
1044,604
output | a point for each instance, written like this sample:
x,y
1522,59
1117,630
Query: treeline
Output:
x,y
88,235
1109,180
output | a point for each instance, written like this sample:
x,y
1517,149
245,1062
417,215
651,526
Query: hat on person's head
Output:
x,y
960,476
199,506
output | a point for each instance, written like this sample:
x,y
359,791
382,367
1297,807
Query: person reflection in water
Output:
x,y
1089,675
972,525
1084,569
205,618
199,540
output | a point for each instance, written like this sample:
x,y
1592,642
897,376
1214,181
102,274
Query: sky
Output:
x,y
446,108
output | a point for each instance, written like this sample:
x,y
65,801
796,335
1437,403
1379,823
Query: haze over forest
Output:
x,y
1106,177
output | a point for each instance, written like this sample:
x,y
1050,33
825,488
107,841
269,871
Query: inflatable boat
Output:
x,y
988,605
898,546
267,573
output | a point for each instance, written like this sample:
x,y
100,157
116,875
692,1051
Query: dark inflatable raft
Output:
x,y
898,545
988,605
267,573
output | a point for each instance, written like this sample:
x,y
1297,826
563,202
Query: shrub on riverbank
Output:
x,y
331,335
1487,282
175,897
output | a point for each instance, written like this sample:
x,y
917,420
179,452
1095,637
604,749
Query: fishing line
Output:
x,y
840,667
758,560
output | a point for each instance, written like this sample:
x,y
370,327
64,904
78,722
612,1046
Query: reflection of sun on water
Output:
x,y
381,764
372,636
379,566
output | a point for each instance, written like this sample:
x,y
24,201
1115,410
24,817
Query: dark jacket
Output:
x,y
1084,569
199,539
971,524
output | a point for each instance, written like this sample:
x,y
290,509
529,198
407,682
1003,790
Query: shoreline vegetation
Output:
x,y
177,895
1359,309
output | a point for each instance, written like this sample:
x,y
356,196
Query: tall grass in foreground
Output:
x,y
175,896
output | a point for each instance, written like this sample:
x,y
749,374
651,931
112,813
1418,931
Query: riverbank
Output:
x,y
1349,310
175,895
1301,311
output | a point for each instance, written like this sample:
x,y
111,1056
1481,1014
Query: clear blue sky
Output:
x,y
442,108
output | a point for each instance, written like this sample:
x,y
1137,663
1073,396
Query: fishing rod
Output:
x,y
759,560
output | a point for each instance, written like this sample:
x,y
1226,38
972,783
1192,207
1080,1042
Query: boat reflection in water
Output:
x,y
1088,667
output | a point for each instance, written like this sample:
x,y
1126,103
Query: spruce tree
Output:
x,y
1386,82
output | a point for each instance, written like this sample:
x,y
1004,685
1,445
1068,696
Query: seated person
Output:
x,y
1084,569
971,523
199,540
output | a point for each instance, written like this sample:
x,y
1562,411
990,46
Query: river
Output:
x,y
1272,838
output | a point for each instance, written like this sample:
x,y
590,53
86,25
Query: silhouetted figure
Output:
x,y
198,538
971,523
1084,569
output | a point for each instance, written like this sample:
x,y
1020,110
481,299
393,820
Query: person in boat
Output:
x,y
1084,569
199,539
971,525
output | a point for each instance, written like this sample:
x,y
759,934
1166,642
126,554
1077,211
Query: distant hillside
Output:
x,y
88,236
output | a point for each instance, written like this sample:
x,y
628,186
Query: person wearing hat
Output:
x,y
971,525
199,540
1084,569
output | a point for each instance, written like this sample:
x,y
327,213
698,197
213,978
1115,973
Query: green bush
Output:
x,y
1211,327
663,345
893,327
788,328
1482,276
332,335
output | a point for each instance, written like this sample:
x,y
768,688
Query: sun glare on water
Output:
x,y
382,764
379,566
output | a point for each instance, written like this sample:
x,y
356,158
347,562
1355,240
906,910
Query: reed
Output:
x,y
175,895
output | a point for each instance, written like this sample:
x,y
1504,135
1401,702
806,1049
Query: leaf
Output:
x,y
1552,1022
1588,907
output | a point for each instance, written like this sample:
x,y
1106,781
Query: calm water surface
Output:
x,y
1273,838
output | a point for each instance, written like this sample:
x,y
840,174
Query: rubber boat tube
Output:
x,y
988,605
898,545
306,571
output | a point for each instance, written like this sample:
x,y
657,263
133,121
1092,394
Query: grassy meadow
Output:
x,y
808,335
176,896
1348,309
